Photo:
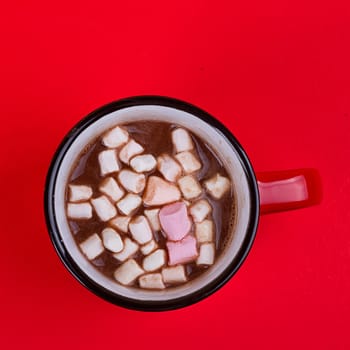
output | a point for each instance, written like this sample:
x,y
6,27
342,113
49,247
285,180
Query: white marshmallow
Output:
x,y
149,247
129,203
190,187
143,163
111,188
121,223
181,140
140,230
131,149
204,231
92,247
79,193
200,210
174,274
130,248
131,181
112,241
169,167
188,161
151,281
108,162
152,216
154,261
79,210
104,208
217,186
128,272
206,254
159,192
115,137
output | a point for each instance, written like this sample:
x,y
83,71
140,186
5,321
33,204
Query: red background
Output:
x,y
275,72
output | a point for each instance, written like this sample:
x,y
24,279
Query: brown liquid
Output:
x,y
155,137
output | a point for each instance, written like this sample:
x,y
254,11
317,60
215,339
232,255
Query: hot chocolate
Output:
x,y
150,204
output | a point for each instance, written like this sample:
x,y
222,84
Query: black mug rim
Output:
x,y
71,265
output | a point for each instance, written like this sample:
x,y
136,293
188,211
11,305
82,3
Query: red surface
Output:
x,y
275,72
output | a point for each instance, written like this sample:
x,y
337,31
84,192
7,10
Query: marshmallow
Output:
x,y
206,254
131,149
183,251
92,247
108,162
111,188
174,274
159,192
121,223
154,261
181,140
205,231
79,210
129,203
200,210
140,230
131,181
169,167
143,163
152,216
151,281
190,187
128,272
79,193
175,221
111,240
130,248
104,208
188,161
115,137
217,186
149,247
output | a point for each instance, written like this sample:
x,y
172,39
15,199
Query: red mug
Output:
x,y
257,194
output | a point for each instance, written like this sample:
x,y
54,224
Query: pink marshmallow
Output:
x,y
175,221
183,251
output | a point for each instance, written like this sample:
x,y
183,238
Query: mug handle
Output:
x,y
290,189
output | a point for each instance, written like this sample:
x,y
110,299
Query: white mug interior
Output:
x,y
214,138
